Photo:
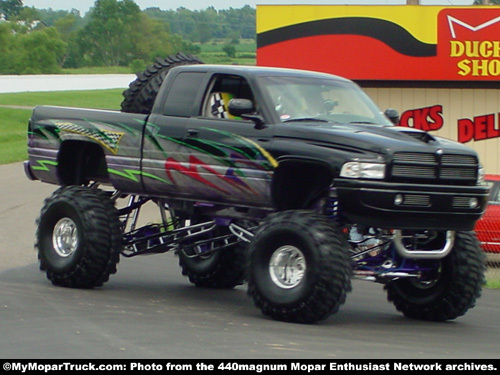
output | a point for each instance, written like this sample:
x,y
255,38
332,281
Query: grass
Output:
x,y
99,70
14,122
213,53
104,99
493,284
223,59
493,276
244,46
13,127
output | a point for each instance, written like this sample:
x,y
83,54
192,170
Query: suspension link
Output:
x,y
140,242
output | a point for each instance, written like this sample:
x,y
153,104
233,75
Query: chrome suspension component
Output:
x,y
408,252
154,239
241,233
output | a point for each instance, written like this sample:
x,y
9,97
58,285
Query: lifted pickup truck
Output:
x,y
291,180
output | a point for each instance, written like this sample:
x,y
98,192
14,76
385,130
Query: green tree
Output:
x,y
230,50
68,27
10,8
241,20
6,37
50,17
35,52
110,36
204,25
119,34
39,52
28,16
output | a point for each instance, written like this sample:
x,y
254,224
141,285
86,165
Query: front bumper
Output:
x,y
410,206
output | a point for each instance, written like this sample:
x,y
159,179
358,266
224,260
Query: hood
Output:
x,y
381,139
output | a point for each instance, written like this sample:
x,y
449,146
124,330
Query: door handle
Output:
x,y
192,132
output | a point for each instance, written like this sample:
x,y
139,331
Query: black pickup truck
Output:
x,y
291,180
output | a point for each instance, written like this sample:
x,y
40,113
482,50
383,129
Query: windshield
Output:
x,y
298,99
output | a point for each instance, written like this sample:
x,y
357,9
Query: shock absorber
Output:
x,y
332,205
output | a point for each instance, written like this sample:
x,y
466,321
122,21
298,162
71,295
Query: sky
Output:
x,y
84,5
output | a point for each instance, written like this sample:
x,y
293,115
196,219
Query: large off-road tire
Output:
x,y
78,238
225,268
451,291
141,94
300,269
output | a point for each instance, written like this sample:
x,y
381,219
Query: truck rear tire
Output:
x,y
141,94
79,237
453,289
224,268
300,269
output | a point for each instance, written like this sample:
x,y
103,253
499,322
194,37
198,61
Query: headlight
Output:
x,y
356,169
480,176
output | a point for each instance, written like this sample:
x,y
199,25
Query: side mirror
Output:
x,y
330,105
245,109
239,107
392,115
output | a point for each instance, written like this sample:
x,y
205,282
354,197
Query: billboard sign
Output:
x,y
417,43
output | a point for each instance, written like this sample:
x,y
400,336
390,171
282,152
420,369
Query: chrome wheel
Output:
x,y
427,281
287,267
65,237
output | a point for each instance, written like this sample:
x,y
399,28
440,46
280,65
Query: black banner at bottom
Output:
x,y
250,366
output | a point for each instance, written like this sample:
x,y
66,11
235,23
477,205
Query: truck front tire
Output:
x,y
451,291
300,268
79,237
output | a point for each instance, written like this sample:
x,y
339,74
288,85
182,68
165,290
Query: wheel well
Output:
x,y
298,184
80,162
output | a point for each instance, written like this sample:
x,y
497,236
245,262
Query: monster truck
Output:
x,y
289,180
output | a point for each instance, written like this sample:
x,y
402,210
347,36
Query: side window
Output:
x,y
221,90
182,94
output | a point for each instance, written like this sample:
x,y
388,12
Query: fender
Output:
x,y
299,182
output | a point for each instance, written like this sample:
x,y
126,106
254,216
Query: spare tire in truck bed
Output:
x,y
141,94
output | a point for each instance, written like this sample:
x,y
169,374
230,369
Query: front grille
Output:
x,y
457,173
458,159
433,167
414,157
414,171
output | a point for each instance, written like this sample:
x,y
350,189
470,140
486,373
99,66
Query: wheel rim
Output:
x,y
287,267
429,282
65,237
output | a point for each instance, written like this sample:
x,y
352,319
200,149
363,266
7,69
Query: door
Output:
x,y
225,159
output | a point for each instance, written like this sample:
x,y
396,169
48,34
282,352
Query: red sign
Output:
x,y
469,43
427,119
466,48
480,128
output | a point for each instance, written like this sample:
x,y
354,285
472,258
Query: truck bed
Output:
x,y
117,134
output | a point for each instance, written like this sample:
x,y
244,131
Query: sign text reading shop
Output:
x,y
476,58
474,42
